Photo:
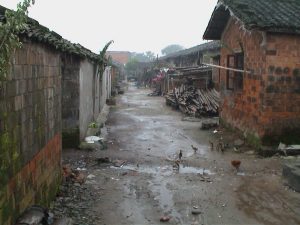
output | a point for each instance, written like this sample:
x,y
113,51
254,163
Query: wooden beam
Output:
x,y
226,68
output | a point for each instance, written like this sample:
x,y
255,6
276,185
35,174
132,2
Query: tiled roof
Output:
x,y
42,34
212,45
280,16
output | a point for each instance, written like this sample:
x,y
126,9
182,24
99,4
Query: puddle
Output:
x,y
165,170
188,169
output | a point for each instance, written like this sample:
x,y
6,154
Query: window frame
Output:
x,y
234,79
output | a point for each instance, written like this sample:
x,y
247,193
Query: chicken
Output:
x,y
194,148
180,154
236,164
220,147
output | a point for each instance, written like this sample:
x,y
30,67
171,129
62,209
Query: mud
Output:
x,y
148,135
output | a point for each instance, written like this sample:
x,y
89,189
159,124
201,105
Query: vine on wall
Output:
x,y
10,26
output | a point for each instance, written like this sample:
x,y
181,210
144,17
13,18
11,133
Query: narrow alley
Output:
x,y
141,184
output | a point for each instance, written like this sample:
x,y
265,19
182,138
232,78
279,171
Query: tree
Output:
x,y
132,65
15,22
171,48
143,57
102,60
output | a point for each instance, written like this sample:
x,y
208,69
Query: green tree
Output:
x,y
10,27
143,57
132,65
170,49
102,60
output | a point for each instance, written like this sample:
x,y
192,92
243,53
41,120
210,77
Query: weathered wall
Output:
x,y
84,95
70,68
30,125
106,88
281,85
87,95
216,72
241,108
268,102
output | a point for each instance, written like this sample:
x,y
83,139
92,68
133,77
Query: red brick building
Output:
x,y
260,56
119,56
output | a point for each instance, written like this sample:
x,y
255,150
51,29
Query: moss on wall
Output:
x,y
251,139
289,136
70,138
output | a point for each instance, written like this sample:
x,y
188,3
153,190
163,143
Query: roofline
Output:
x,y
185,51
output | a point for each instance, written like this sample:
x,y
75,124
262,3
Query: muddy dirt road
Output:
x,y
206,189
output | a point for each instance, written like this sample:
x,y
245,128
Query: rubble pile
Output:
x,y
195,102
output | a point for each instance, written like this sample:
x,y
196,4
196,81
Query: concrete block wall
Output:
x,y
30,131
267,105
88,82
70,68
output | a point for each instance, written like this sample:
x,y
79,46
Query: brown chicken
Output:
x,y
236,164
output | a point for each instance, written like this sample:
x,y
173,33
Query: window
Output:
x,y
235,79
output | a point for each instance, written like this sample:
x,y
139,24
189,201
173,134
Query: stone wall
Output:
x,y
30,131
267,104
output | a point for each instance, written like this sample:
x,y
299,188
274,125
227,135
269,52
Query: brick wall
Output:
x,y
30,124
121,57
281,85
267,104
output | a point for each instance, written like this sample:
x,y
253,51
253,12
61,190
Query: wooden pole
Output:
x,y
227,68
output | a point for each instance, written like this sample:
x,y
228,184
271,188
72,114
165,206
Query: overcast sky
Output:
x,y
134,25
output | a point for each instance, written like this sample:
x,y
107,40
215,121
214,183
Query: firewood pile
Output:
x,y
194,102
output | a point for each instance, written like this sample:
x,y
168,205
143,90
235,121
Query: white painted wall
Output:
x,y
86,101
93,94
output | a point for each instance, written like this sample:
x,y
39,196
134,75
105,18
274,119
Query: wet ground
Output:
x,y
205,189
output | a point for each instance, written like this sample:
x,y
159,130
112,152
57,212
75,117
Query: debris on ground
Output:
x,y
103,160
90,176
238,143
289,149
209,124
164,219
155,93
194,102
282,149
76,176
92,139
32,216
204,178
119,163
196,211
